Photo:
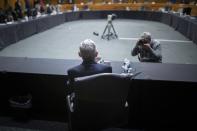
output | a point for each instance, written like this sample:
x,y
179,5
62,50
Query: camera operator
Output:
x,y
147,49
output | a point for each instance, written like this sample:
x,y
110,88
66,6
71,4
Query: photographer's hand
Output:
x,y
147,47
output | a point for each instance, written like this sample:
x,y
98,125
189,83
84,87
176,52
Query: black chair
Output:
x,y
98,102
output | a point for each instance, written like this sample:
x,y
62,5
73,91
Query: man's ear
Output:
x,y
96,53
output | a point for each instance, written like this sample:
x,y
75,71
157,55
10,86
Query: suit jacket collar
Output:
x,y
88,62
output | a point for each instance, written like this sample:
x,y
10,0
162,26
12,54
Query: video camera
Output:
x,y
142,41
111,17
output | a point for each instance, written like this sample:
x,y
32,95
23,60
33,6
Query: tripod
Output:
x,y
110,34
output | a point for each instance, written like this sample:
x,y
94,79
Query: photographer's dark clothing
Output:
x,y
144,55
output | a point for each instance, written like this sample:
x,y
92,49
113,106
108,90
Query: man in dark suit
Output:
x,y
89,66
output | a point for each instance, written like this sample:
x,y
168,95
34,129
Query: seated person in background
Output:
x,y
58,8
89,66
2,16
147,49
168,6
49,8
10,18
34,12
39,6
10,14
27,8
18,9
85,7
36,4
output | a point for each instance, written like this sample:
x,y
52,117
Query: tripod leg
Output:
x,y
104,31
114,30
109,32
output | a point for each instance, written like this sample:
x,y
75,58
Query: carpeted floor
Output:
x,y
10,124
16,129
62,42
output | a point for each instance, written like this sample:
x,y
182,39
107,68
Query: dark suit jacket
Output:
x,y
88,68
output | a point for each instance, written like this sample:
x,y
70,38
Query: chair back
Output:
x,y
100,101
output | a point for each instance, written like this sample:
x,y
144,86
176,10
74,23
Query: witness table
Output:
x,y
59,67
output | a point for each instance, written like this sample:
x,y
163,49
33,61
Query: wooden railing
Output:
x,y
131,6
